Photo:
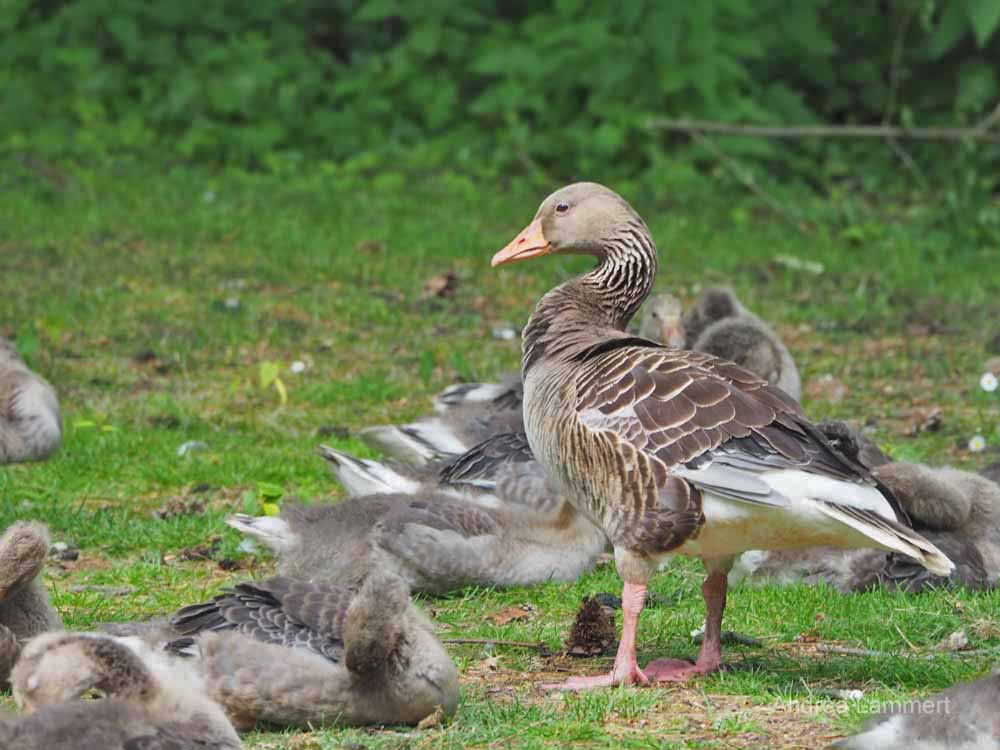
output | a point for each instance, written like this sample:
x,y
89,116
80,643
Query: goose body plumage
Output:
x,y
671,451
959,512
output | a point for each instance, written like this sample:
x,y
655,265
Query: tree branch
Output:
x,y
978,133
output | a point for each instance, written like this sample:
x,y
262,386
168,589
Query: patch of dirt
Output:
x,y
684,714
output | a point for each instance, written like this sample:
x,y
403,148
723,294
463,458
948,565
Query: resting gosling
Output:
x,y
299,654
720,325
963,717
25,610
30,420
146,706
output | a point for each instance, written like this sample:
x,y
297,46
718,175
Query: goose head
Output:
x,y
584,218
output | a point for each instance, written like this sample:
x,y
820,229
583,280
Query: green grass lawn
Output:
x,y
155,299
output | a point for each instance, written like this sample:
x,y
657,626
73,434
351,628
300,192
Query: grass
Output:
x,y
156,299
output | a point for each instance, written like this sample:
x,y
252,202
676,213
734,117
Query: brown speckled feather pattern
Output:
x,y
641,410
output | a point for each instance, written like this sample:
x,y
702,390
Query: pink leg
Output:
x,y
710,657
626,669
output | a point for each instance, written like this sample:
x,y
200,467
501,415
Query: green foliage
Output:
x,y
562,88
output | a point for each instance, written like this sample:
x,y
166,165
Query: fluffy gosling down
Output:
x,y
25,610
963,717
30,419
295,653
146,705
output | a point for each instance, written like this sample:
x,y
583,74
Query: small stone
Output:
x,y
190,447
954,642
505,333
58,547
248,546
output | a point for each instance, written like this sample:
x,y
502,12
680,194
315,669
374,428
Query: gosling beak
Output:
x,y
673,335
530,243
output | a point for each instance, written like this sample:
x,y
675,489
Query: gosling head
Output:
x,y
59,667
661,320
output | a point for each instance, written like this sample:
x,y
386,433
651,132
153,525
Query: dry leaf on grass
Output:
x,y
443,285
826,388
957,641
176,506
924,419
519,612
433,720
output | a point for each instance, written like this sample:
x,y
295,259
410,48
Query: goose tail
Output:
x,y
890,535
361,476
466,394
271,531
419,443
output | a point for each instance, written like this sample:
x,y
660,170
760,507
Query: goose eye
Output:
x,y
562,208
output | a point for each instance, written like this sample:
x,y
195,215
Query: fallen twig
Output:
x,y
829,648
729,638
539,646
977,133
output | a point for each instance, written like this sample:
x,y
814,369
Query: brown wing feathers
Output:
x,y
687,404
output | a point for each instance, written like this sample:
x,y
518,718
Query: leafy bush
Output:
x,y
564,87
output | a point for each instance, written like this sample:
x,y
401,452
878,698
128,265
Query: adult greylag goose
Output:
x,y
963,717
436,543
298,654
25,610
671,451
720,325
30,420
146,705
957,511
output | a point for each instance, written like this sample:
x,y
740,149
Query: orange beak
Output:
x,y
530,243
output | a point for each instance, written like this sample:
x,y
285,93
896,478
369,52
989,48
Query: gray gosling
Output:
x,y
146,704
300,654
963,717
30,419
25,610
489,519
719,324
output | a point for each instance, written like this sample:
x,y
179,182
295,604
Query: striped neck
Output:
x,y
596,305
